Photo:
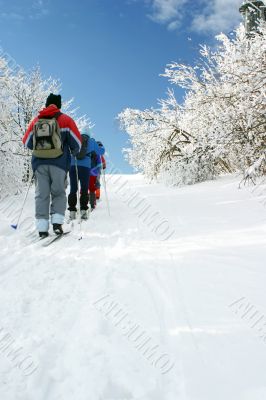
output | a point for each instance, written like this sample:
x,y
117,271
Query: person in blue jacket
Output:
x,y
83,170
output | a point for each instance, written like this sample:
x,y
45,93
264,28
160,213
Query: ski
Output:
x,y
54,238
37,240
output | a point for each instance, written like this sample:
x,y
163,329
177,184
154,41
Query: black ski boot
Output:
x,y
58,229
43,234
92,200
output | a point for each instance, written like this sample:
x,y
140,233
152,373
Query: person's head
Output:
x,y
99,143
54,99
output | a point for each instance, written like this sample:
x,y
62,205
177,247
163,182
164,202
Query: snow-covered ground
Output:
x,y
124,315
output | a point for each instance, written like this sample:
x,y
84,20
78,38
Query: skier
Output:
x,y
98,180
95,171
89,153
52,136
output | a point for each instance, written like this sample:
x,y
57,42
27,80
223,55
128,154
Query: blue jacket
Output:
x,y
96,166
86,161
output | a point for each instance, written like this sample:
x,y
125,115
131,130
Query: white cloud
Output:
x,y
201,16
174,25
167,12
217,16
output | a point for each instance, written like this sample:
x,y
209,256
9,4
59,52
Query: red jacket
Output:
x,y
70,135
103,162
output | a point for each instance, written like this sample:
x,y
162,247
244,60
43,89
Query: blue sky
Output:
x,y
108,54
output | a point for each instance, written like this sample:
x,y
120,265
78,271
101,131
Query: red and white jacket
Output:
x,y
70,135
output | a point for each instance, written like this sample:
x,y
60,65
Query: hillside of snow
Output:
x,y
136,306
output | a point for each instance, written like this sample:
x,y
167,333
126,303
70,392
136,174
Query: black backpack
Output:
x,y
84,146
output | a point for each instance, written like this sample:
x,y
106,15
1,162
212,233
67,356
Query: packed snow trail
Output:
x,y
56,302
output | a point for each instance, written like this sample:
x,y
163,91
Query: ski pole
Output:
x,y
77,177
105,190
15,226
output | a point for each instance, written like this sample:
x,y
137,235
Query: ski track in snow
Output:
x,y
179,291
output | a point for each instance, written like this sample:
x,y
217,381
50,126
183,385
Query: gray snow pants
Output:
x,y
50,185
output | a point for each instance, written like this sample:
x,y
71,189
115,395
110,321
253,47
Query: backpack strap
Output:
x,y
56,116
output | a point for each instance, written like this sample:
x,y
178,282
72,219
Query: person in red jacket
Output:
x,y
52,136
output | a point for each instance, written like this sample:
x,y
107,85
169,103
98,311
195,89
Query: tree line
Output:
x,y
219,127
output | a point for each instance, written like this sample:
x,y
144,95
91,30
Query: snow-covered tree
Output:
x,y
220,127
156,136
22,96
9,161
225,102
